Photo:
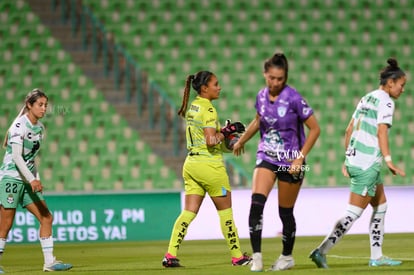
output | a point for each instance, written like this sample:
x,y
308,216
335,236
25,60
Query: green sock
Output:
x,y
229,229
179,230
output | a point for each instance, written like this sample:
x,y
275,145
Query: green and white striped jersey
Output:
x,y
363,150
30,137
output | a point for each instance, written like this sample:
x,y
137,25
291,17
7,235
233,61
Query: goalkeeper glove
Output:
x,y
230,128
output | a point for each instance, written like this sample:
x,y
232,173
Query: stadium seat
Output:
x,y
335,50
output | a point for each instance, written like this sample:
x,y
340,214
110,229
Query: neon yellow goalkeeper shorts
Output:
x,y
202,175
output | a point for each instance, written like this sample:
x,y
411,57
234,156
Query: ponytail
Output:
x,y
196,81
184,103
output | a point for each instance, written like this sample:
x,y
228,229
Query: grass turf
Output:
x,y
350,256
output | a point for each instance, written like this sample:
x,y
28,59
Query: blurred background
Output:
x,y
115,71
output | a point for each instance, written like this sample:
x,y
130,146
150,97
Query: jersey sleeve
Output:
x,y
210,118
16,133
355,113
385,112
302,108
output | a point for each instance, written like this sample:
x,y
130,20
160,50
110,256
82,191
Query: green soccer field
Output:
x,y
209,257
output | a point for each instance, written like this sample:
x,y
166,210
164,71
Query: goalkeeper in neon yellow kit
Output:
x,y
204,170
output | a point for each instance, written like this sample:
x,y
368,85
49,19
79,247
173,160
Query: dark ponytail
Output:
x,y
184,103
196,81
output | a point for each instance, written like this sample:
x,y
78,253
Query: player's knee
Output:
x,y
46,220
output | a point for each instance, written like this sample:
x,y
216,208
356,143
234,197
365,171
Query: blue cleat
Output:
x,y
384,261
318,258
57,266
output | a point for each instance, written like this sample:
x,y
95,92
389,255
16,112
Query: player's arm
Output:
x,y
385,150
17,151
348,133
314,132
251,130
212,137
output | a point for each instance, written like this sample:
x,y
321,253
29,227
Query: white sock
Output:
x,y
341,227
47,248
2,246
376,230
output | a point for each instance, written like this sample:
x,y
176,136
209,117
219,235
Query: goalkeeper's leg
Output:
x,y
229,229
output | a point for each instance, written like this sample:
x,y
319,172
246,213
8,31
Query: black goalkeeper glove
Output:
x,y
230,128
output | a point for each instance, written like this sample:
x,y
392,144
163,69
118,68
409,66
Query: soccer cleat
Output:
x,y
384,261
318,258
2,270
283,263
257,262
57,266
243,260
169,261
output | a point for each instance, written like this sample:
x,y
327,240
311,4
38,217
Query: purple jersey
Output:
x,y
282,134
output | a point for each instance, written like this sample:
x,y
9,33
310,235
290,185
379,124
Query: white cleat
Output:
x,y
257,262
283,263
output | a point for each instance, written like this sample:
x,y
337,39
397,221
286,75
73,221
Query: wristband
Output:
x,y
387,158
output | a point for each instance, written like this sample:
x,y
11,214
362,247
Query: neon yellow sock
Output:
x,y
229,229
179,230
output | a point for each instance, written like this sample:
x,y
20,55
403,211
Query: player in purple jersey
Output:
x,y
283,146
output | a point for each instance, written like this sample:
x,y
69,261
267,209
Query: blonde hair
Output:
x,y
30,99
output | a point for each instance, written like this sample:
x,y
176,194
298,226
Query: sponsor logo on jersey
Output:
x,y
306,111
270,120
194,108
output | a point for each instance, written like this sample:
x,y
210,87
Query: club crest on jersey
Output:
x,y
10,199
281,111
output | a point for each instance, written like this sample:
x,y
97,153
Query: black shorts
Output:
x,y
282,172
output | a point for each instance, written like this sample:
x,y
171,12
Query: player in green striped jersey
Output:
x,y
19,180
366,143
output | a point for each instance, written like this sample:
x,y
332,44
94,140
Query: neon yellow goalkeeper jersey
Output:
x,y
200,115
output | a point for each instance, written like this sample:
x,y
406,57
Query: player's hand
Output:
x,y
238,148
296,166
36,186
230,128
344,171
395,170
